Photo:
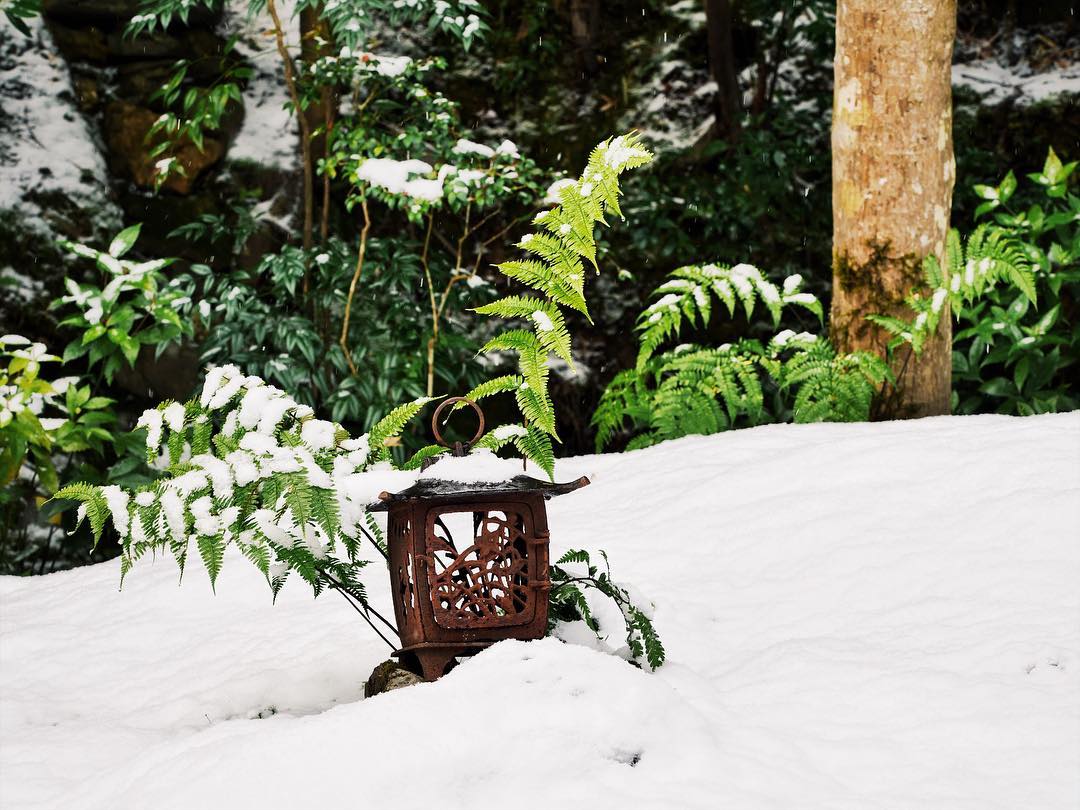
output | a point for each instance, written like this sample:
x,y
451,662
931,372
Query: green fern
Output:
x,y
94,506
392,424
627,398
258,472
416,461
571,576
498,385
555,268
831,387
692,389
687,296
991,256
212,551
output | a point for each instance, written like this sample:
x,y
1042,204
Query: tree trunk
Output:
x,y
893,173
728,106
584,15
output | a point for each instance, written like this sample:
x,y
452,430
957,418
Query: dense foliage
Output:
x,y
705,389
352,288
1018,351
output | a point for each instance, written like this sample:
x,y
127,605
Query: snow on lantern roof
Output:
x,y
463,476
445,490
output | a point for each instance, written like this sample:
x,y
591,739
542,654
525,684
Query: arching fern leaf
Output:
x,y
555,268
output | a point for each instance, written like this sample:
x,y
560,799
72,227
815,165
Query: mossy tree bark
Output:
x,y
893,174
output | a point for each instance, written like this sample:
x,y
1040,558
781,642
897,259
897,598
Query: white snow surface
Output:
x,y
856,616
46,146
1021,84
269,135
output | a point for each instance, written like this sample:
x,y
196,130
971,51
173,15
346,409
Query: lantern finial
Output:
x,y
458,448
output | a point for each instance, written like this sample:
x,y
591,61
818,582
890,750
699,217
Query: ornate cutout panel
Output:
x,y
478,568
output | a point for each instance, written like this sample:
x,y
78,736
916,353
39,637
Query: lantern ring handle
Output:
x,y
443,406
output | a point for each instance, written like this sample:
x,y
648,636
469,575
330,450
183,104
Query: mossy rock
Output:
x,y
387,676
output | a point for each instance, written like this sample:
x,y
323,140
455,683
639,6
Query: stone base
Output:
x,y
387,676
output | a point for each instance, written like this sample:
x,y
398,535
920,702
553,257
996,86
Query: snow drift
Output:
x,y
856,616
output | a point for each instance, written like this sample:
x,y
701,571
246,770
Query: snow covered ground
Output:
x,y
856,616
1021,84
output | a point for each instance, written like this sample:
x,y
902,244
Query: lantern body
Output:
x,y
468,565
466,574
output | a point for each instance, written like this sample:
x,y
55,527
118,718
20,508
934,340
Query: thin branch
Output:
x,y
483,222
324,228
367,608
434,307
362,601
344,342
502,233
305,130
378,548
366,618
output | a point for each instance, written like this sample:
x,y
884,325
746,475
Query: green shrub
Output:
x,y
1009,354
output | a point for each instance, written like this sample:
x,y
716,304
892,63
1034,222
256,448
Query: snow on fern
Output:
x,y
250,467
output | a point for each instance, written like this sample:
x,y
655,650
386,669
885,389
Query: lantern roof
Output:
x,y
443,490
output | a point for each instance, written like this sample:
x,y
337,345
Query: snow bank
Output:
x,y
46,148
1021,84
856,616
269,135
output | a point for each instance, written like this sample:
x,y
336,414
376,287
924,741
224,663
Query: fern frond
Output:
x,y
498,385
990,256
97,510
687,296
325,510
565,238
625,398
565,264
392,424
833,388
498,438
212,551
547,279
535,445
416,461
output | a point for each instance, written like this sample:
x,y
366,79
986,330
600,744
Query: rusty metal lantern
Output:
x,y
455,595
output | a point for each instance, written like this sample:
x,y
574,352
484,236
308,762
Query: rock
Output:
x,y
160,214
173,375
192,44
80,44
138,81
87,92
387,676
126,127
118,12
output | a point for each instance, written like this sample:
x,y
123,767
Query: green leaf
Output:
x,y
130,347
1052,168
1007,187
92,334
998,387
212,551
123,241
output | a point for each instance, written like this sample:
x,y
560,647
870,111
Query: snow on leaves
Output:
x,y
249,467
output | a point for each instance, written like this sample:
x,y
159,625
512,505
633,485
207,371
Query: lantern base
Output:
x,y
432,660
